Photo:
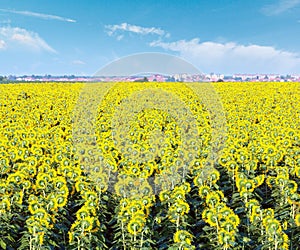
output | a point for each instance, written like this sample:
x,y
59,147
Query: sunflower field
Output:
x,y
150,166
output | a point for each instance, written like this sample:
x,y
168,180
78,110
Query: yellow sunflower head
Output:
x,y
183,236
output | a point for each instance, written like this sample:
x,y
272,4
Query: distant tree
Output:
x,y
171,79
145,79
1,78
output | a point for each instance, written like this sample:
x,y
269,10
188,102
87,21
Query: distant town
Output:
x,y
156,77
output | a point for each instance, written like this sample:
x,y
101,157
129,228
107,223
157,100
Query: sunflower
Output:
x,y
231,165
273,226
134,170
41,214
61,200
58,156
178,193
3,187
225,211
204,190
164,195
248,185
224,157
33,225
214,176
212,199
16,178
81,185
251,165
228,225
41,236
34,205
96,226
182,207
32,161
183,236
147,201
4,165
52,173
32,170
297,171
91,206
59,182
240,183
284,241
226,238
186,187
90,195
245,193
5,203
86,224
18,197
135,226
292,186
40,183
71,236
297,220
234,218
212,219
135,206
271,181
121,188
281,180
52,204
283,171
220,206
259,180
26,185
64,191
250,203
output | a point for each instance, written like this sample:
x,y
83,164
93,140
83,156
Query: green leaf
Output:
x,y
2,244
105,197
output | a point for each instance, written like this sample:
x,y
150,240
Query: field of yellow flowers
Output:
x,y
150,166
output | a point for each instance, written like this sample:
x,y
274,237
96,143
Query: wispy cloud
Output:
x,y
232,58
125,27
279,7
39,15
7,21
78,62
2,44
16,37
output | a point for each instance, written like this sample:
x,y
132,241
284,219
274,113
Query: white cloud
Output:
x,y
15,36
39,15
125,27
2,44
120,37
232,57
7,21
78,62
280,7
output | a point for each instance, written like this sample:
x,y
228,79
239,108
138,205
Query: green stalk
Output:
x,y
142,240
177,223
123,235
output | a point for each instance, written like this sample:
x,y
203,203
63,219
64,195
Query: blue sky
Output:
x,y
79,37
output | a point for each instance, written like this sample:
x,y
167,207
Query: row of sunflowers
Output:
x,y
150,166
